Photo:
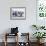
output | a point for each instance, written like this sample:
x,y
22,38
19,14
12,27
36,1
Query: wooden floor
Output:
x,y
13,44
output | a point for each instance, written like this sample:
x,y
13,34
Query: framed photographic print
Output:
x,y
17,13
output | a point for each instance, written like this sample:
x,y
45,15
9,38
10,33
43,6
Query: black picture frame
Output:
x,y
17,13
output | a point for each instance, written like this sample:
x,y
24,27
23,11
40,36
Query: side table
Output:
x,y
8,34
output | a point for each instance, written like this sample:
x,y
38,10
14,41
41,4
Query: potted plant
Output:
x,y
35,26
38,27
39,35
42,27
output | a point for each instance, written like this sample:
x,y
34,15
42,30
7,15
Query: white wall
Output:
x,y
24,25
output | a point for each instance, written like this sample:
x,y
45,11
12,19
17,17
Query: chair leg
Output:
x,y
5,40
5,43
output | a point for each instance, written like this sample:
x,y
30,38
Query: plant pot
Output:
x,y
40,41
